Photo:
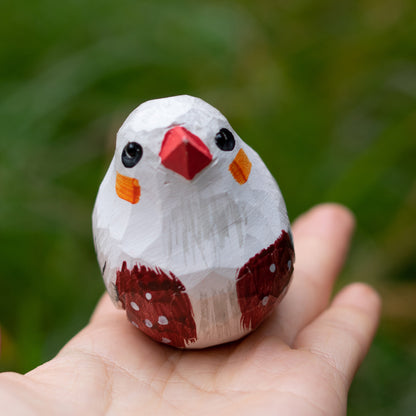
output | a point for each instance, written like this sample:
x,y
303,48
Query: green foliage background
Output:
x,y
324,90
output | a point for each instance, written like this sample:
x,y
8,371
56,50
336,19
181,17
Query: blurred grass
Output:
x,y
324,91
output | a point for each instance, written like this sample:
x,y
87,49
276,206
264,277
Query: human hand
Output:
x,y
299,362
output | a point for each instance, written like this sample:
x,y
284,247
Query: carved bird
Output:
x,y
190,228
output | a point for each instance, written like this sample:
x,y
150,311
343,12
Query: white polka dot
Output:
x,y
272,268
163,320
289,264
166,340
148,296
134,324
265,300
134,305
148,323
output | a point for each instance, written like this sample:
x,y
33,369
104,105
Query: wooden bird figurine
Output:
x,y
190,228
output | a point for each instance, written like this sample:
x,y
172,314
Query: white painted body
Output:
x,y
202,230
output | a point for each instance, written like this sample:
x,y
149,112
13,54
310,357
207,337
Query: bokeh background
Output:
x,y
324,90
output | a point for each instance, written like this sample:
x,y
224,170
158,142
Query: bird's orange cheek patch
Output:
x,y
240,167
128,188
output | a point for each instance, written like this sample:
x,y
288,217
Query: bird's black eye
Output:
x,y
225,140
131,155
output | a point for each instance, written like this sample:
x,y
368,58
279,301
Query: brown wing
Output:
x,y
263,279
157,304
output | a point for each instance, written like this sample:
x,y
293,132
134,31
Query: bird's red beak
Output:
x,y
184,153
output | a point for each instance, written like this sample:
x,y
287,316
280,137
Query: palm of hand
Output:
x,y
301,361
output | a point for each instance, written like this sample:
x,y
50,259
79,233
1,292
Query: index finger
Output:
x,y
322,237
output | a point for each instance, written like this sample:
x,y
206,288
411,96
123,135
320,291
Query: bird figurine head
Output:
x,y
190,228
